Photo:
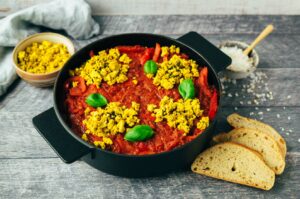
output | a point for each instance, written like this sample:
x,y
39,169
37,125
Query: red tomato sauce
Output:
x,y
144,93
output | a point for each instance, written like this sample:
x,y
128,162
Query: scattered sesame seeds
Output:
x,y
253,88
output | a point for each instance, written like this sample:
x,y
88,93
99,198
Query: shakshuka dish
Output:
x,y
139,100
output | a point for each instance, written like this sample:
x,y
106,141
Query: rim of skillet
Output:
x,y
164,153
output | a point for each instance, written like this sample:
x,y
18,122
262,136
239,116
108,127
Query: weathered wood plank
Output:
x,y
207,24
50,178
274,52
19,139
143,7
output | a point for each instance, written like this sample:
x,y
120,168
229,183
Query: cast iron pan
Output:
x,y
52,124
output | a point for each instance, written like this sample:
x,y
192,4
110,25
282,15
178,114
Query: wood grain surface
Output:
x,y
156,7
30,168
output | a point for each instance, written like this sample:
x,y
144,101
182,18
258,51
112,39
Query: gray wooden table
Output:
x,y
30,169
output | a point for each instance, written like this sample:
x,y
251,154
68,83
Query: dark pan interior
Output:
x,y
126,39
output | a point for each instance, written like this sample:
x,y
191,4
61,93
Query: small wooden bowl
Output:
x,y
253,55
40,80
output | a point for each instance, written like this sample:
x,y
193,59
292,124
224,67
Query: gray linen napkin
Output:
x,y
72,16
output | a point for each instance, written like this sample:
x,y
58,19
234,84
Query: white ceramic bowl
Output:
x,y
40,80
252,55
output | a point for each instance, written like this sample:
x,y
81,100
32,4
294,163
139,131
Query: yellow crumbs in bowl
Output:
x,y
45,57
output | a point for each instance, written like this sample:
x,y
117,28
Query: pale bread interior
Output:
x,y
258,141
238,121
234,163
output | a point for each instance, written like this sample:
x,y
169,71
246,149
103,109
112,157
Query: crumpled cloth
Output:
x,y
72,16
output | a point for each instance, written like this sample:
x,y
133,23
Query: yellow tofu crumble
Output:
x,y
165,50
173,71
203,123
111,120
44,57
111,67
180,114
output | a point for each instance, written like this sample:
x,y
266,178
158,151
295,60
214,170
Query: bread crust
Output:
x,y
238,121
266,186
258,141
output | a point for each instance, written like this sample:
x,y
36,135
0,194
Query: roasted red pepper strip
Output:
x,y
213,106
203,82
147,55
80,88
127,49
92,53
156,52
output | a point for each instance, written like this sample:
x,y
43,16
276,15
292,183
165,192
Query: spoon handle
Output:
x,y
258,39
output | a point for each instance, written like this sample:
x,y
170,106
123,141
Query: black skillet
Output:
x,y
53,126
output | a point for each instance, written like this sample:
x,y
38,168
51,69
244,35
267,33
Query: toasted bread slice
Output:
x,y
258,141
234,163
238,121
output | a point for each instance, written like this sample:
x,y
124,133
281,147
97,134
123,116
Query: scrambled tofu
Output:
x,y
174,70
111,120
165,50
203,123
180,114
111,67
44,57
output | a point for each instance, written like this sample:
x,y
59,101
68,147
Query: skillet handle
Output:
x,y
211,53
65,145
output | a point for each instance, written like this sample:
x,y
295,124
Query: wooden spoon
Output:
x,y
259,38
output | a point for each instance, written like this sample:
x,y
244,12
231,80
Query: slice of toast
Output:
x,y
234,163
258,141
238,121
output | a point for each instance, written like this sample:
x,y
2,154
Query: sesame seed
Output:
x,y
260,113
289,97
287,133
256,108
289,118
229,95
278,116
268,109
236,108
299,140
